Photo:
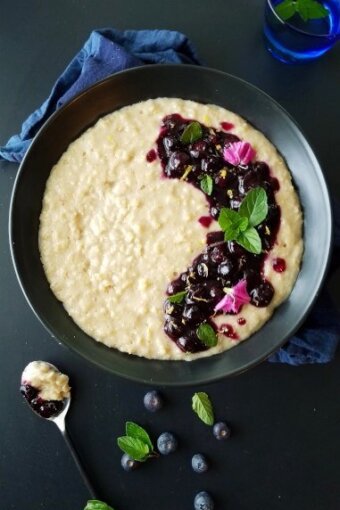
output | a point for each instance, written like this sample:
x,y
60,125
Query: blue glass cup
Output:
x,y
295,40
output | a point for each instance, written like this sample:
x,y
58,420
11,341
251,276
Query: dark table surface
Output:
x,y
285,452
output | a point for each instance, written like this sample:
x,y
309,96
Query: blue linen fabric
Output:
x,y
108,51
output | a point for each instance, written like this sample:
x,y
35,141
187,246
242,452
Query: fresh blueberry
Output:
x,y
128,463
153,401
203,501
221,430
166,443
199,463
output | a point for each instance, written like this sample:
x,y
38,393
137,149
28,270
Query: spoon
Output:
x,y
59,420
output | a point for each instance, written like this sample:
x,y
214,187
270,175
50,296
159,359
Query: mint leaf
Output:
x,y
207,184
286,9
137,449
178,297
95,504
207,335
192,132
250,240
202,406
311,9
254,206
136,431
232,223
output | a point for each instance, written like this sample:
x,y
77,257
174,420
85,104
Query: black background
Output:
x,y
285,451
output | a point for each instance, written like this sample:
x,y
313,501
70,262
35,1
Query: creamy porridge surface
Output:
x,y
114,232
51,384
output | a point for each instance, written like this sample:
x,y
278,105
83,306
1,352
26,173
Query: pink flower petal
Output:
x,y
240,292
235,299
239,153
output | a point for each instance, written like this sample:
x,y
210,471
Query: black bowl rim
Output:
x,y
312,298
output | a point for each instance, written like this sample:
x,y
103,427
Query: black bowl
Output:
x,y
187,82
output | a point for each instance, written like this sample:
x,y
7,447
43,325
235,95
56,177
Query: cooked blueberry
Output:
x,y
217,254
170,144
262,169
174,328
128,463
221,430
166,443
190,342
47,408
215,237
177,163
191,314
28,392
203,501
228,138
173,309
173,120
215,291
153,401
174,287
203,270
211,164
198,149
215,211
226,268
220,181
199,463
262,294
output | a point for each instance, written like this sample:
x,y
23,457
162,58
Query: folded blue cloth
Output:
x,y
108,51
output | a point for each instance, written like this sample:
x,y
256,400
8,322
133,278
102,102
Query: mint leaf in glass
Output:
x,y
137,449
202,406
307,9
207,335
192,132
137,432
207,184
286,9
95,504
178,297
311,9
250,241
254,206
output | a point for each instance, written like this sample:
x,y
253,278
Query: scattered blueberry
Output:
x,y
203,501
153,401
221,430
128,463
166,443
199,463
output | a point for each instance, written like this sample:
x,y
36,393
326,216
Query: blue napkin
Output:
x,y
108,51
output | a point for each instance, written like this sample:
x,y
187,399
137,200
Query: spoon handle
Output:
x,y
76,459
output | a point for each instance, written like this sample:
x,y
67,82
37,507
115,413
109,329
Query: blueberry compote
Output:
x,y
221,264
45,408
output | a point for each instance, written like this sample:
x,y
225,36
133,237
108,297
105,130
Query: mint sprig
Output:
x,y
207,335
207,184
202,406
178,297
192,132
95,504
136,443
239,225
254,207
307,9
